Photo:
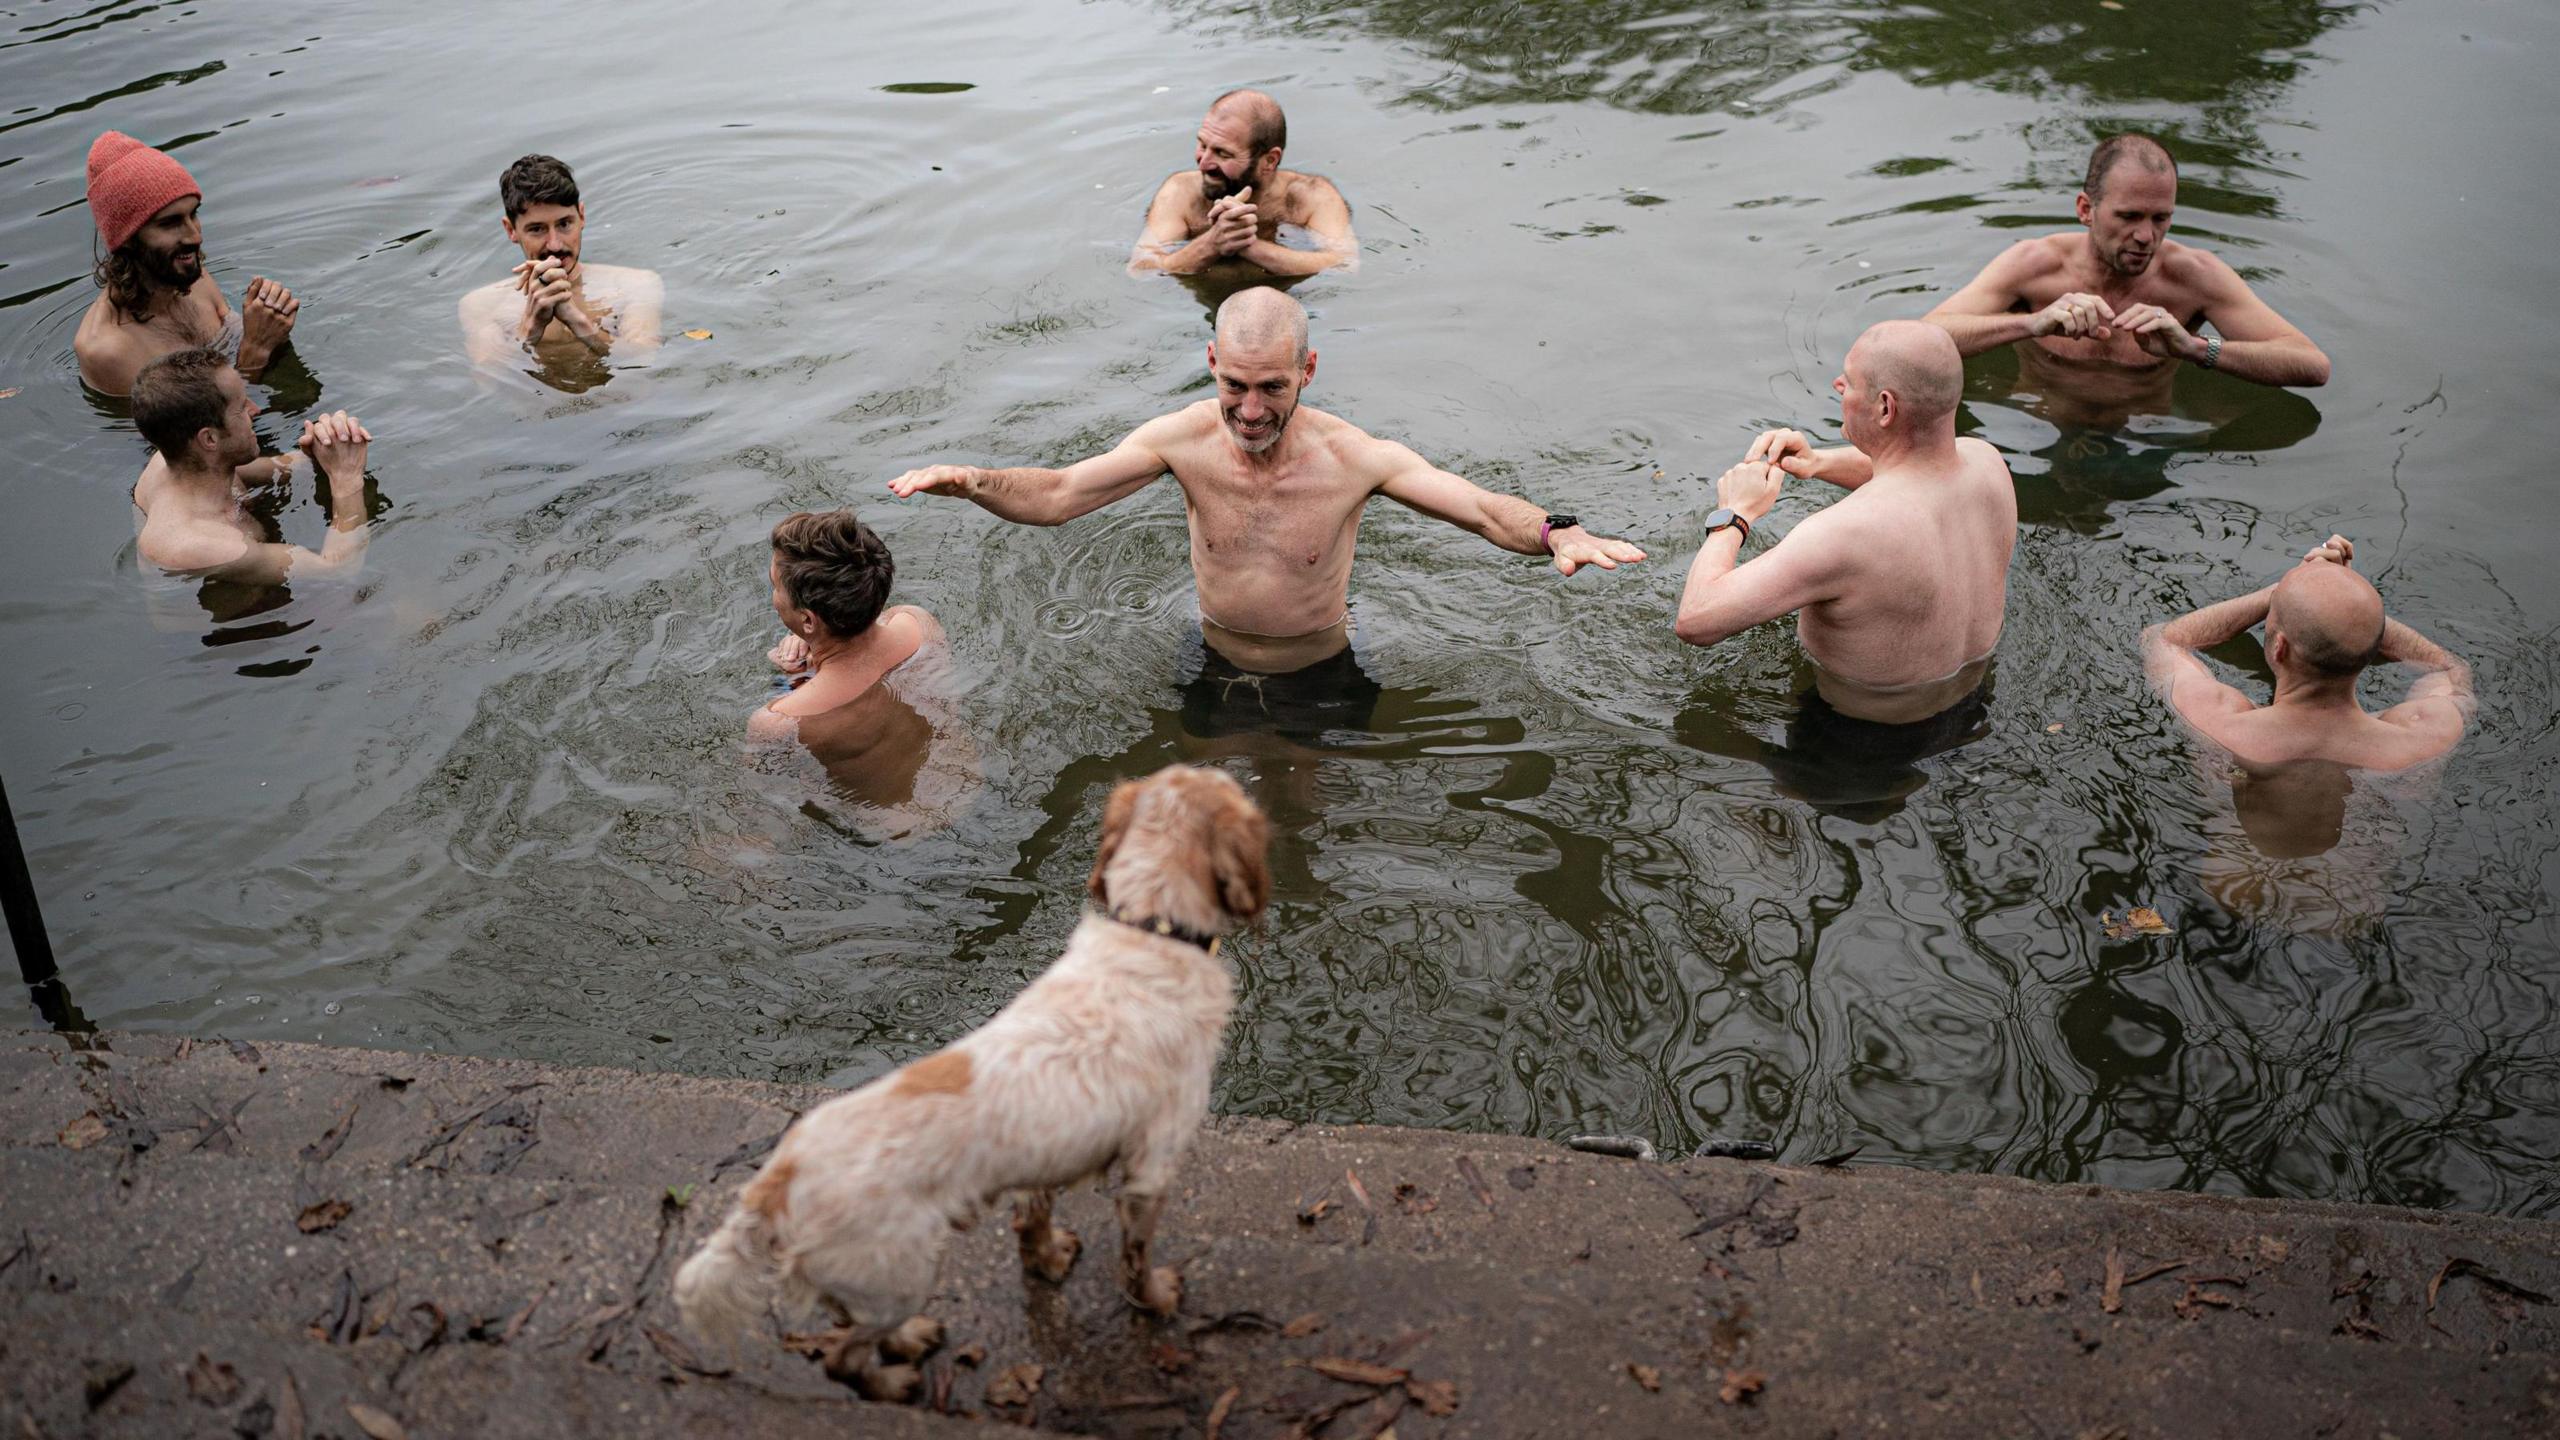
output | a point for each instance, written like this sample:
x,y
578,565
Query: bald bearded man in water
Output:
x,y
1274,490
1231,204
2112,305
2325,626
1899,588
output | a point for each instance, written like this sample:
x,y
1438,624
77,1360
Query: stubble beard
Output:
x,y
1279,427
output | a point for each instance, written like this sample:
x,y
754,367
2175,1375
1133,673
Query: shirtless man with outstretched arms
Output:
x,y
2118,298
1898,588
194,409
1274,490
1231,204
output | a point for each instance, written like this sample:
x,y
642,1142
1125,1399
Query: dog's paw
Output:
x,y
1160,1291
1053,1255
889,1384
920,1336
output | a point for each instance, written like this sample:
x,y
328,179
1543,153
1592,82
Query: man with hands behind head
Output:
x,y
557,305
2118,295
195,410
1232,203
1898,588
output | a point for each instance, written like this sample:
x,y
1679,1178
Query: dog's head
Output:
x,y
1186,844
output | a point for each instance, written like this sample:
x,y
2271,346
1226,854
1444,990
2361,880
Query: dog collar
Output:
x,y
1158,925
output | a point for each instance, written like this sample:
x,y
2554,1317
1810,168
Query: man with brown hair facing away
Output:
x,y
194,409
157,297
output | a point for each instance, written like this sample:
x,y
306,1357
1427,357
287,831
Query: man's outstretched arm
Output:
x,y
2257,343
1506,520
1050,497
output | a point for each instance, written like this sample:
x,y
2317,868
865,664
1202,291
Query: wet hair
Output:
x,y
1266,128
175,398
119,273
835,567
2115,150
536,180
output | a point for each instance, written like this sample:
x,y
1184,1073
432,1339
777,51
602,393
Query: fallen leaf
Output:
x,y
1740,1385
105,1379
289,1422
697,334
2111,1299
336,1135
1357,1372
212,1383
84,1132
5,394
1310,1214
2138,921
972,1355
375,1423
1412,1199
1015,1385
675,1352
1834,1162
1218,1412
2272,1250
1170,1358
322,1216
2110,4
1436,1397
1302,1327
1645,1375
1359,1191
2054,729
2460,1266
2050,1289
1475,1180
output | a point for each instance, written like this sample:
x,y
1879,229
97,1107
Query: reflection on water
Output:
x,y
1554,879
1838,763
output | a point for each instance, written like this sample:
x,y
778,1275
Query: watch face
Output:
x,y
1562,522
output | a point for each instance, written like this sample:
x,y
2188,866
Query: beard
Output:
x,y
1215,186
176,268
2129,264
1256,444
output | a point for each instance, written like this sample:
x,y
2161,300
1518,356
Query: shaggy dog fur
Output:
x,y
1105,1058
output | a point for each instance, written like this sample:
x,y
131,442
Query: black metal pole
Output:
x,y
18,897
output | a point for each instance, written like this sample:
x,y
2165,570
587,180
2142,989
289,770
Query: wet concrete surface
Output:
x,y
209,1238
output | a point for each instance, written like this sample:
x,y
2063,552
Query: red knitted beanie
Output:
x,y
129,182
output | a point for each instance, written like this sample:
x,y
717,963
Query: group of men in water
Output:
x,y
1899,587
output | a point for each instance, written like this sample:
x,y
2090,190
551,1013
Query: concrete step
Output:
x,y
159,1190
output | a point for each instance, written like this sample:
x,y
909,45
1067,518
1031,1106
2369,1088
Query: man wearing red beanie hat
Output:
x,y
158,298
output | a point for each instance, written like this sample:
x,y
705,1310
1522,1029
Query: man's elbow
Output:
x,y
1700,630
2315,368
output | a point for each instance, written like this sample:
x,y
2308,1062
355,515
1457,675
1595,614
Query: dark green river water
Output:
x,y
1579,876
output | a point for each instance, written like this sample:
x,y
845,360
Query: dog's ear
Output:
x,y
1115,828
1239,857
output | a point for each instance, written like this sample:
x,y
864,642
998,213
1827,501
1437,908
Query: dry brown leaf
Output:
x,y
289,1421
1357,1372
375,1423
1412,1199
1170,1358
1218,1412
1359,1191
1740,1385
675,1352
972,1355
2110,4
697,334
84,1132
2112,1299
1436,1397
1308,1215
211,1382
1015,1385
2272,1250
2139,921
324,1215
1302,1327
1645,1375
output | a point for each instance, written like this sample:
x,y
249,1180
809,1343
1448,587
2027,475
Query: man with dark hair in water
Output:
x,y
158,298
194,409
2325,627
2119,298
556,305
1231,204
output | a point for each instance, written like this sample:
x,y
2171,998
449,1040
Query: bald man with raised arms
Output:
x,y
1274,491
2325,627
1231,204
1898,588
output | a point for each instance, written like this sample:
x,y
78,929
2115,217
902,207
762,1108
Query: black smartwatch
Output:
x,y
1553,524
1723,517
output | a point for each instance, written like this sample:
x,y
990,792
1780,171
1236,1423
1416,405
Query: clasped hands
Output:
x,y
1233,223
2082,316
548,295
1751,487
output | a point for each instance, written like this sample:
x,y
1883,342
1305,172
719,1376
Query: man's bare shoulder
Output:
x,y
2202,272
110,350
1306,188
629,279
2039,256
189,547
490,300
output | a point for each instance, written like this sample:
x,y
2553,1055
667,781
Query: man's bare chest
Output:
x,y
1296,519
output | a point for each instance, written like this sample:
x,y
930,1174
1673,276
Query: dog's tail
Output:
x,y
729,1283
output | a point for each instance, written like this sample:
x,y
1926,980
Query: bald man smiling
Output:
x,y
1230,205
1899,589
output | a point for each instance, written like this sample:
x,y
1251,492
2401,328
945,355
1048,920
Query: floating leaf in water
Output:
x,y
5,394
928,87
2139,921
2054,729
2110,4
697,334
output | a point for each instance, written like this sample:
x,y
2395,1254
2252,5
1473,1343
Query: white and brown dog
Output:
x,y
1106,1057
